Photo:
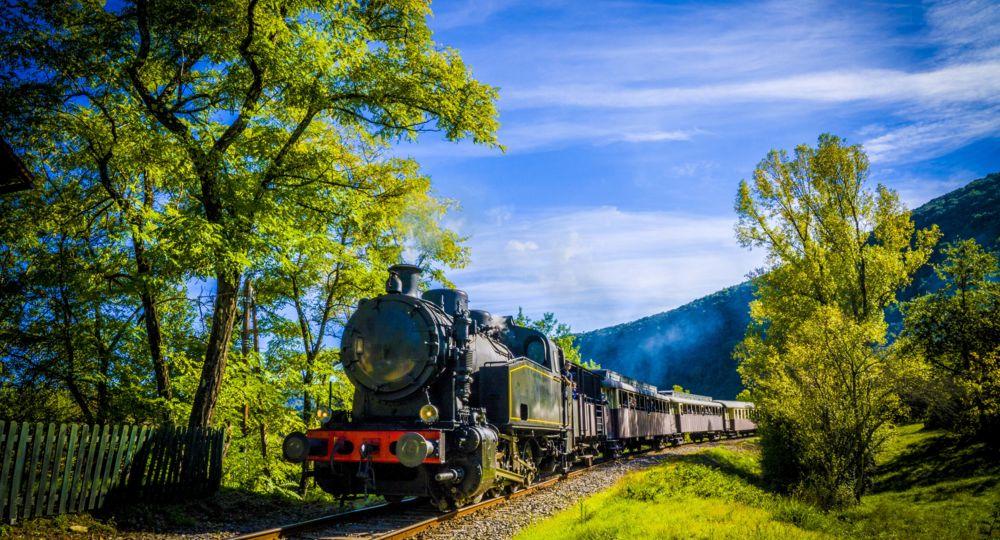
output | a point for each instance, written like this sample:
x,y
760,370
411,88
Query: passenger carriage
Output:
x,y
698,416
739,417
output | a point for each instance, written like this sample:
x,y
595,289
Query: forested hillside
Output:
x,y
692,344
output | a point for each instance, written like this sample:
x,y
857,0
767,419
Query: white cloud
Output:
x,y
541,134
466,13
601,265
923,140
517,245
655,136
594,129
917,191
650,73
965,28
967,82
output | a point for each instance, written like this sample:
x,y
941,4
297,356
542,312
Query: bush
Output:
x,y
780,450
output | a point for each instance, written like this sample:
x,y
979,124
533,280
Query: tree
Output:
x,y
558,332
814,358
957,330
209,127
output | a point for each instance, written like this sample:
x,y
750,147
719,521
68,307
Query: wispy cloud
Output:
x,y
967,82
467,13
638,72
674,102
542,134
965,28
922,140
601,265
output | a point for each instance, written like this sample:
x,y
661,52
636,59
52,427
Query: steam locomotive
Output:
x,y
453,404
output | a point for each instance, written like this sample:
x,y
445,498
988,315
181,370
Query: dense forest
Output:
x,y
692,345
215,188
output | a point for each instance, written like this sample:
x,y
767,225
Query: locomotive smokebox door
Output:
x,y
391,346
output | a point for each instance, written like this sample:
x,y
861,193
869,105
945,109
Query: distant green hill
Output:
x,y
692,345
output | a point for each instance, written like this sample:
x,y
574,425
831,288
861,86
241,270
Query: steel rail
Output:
x,y
285,531
409,531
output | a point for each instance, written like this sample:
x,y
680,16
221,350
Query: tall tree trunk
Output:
x,y
245,318
104,367
263,449
151,317
219,340
154,338
70,350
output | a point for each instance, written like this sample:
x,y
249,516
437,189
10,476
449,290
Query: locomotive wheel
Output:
x,y
528,457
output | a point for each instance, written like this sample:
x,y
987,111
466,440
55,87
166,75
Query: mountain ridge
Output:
x,y
691,345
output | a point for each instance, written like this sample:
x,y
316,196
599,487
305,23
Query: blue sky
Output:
x,y
628,126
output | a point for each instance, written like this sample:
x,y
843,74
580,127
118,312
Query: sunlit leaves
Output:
x,y
814,358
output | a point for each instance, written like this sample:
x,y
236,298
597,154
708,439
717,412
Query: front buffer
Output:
x,y
450,467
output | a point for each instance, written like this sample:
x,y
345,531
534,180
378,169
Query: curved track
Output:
x,y
389,521
402,520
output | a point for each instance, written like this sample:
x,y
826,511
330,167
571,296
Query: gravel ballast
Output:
x,y
505,520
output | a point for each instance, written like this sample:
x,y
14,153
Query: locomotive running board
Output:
x,y
504,473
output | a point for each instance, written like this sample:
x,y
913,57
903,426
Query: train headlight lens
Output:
x,y
295,447
429,413
323,413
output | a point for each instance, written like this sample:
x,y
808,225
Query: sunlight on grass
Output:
x,y
929,487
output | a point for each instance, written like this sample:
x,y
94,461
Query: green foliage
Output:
x,y
957,331
249,140
814,358
558,332
217,190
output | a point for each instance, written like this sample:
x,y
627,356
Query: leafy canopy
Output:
x,y
814,358
957,331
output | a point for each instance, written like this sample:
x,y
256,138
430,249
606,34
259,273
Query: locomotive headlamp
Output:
x,y
295,447
323,413
429,413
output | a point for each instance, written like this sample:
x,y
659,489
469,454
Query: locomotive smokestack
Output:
x,y
409,279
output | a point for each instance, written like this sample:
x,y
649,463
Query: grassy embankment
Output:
x,y
928,486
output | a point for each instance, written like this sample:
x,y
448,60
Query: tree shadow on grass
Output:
x,y
727,463
940,459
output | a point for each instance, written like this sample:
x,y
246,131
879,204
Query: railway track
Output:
x,y
402,520
391,521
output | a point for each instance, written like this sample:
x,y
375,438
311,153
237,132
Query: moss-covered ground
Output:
x,y
929,486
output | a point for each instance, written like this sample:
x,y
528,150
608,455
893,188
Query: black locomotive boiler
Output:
x,y
452,404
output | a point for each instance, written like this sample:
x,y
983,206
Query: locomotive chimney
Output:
x,y
409,279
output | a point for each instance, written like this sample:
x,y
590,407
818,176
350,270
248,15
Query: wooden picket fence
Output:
x,y
49,469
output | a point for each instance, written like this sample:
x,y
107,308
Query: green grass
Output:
x,y
928,486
